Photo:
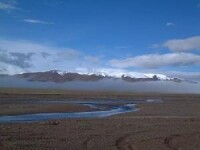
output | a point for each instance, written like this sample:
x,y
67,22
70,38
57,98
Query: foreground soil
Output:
x,y
170,125
20,109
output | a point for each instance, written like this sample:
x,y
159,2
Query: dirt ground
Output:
x,y
173,124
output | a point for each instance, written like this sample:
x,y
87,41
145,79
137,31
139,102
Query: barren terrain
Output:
x,y
170,125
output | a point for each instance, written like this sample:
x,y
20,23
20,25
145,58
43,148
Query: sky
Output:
x,y
135,35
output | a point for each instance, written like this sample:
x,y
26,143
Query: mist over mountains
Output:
x,y
135,82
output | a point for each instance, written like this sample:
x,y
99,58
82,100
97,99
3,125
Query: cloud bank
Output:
x,y
18,56
106,85
183,45
157,60
24,56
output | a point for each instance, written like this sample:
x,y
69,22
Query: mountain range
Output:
x,y
63,76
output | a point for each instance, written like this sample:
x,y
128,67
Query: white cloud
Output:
x,y
157,60
10,69
33,21
183,45
170,24
27,56
8,5
5,6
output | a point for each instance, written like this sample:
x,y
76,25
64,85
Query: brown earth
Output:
x,y
173,124
19,109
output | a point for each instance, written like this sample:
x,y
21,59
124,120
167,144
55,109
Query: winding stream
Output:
x,y
99,109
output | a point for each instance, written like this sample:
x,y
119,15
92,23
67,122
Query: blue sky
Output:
x,y
136,35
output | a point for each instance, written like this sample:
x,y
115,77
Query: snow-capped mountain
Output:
x,y
115,73
83,75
